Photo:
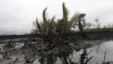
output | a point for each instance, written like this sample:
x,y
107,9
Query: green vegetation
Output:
x,y
54,31
61,25
54,36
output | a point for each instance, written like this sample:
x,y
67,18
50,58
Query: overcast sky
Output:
x,y
17,16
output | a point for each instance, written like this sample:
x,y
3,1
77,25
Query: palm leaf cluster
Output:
x,y
59,26
53,31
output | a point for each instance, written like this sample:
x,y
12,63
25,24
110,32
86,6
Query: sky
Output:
x,y
17,16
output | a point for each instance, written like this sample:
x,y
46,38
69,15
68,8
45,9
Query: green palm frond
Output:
x,y
45,21
52,27
61,25
75,19
82,15
44,15
38,25
65,12
65,18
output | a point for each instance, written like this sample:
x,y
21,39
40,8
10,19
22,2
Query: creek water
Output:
x,y
97,52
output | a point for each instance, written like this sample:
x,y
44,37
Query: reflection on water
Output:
x,y
97,52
